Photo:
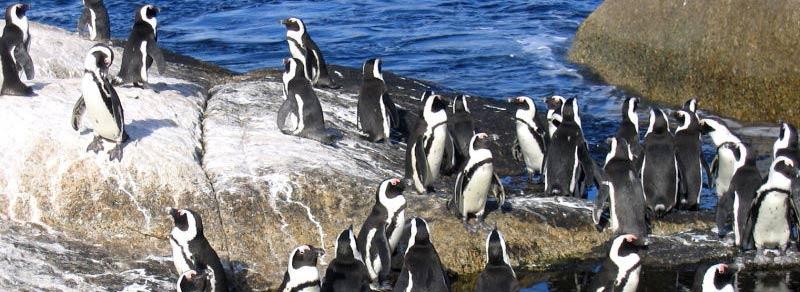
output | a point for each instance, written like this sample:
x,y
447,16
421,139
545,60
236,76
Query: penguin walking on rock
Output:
x,y
428,144
659,173
381,232
102,102
377,114
192,252
629,128
498,275
422,269
15,51
621,269
689,155
568,164
301,271
715,278
769,224
347,271
531,143
738,200
141,50
301,113
94,22
303,48
474,182
460,129
623,189
722,165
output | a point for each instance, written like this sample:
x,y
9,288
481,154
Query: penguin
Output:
x,y
498,275
191,250
94,19
197,280
303,48
769,224
715,278
427,144
301,113
460,129
474,181
659,172
736,202
568,163
102,102
722,165
621,269
531,143
629,128
422,269
15,48
377,114
347,271
381,232
624,189
554,105
141,50
301,270
689,155
787,145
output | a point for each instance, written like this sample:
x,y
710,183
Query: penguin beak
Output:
x,y
722,268
285,21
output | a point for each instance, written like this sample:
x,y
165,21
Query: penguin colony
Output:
x,y
640,180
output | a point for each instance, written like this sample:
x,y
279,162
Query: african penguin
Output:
x,y
381,231
196,280
787,144
623,189
347,271
736,202
422,269
531,143
629,128
101,100
191,250
621,269
722,166
715,278
769,224
428,143
94,19
301,270
659,173
303,48
15,51
554,105
141,50
301,113
460,129
568,163
498,275
377,114
474,181
689,155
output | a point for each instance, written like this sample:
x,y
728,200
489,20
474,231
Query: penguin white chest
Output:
x,y
533,154
385,118
178,257
92,26
772,228
477,189
103,119
724,172
437,150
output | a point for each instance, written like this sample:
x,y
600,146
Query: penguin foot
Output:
x,y
115,153
96,145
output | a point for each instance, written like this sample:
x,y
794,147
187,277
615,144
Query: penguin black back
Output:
x,y
659,173
689,155
422,270
568,164
95,20
498,275
377,113
347,271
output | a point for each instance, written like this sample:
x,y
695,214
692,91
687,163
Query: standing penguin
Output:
x,y
722,166
624,189
787,145
460,128
381,232
715,278
498,275
659,173
769,225
102,101
141,50
14,51
621,269
554,105
94,19
301,113
347,271
568,163
301,271
303,48
191,250
377,114
689,155
531,143
738,200
425,150
474,181
629,128
422,270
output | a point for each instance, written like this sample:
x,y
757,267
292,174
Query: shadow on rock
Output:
x,y
139,129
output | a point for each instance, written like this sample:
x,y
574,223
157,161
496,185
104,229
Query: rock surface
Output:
x,y
735,56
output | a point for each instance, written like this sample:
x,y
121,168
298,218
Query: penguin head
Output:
x,y
555,102
658,122
496,253
147,13
460,104
629,108
92,3
292,68
624,251
717,130
569,111
304,256
373,68
739,151
16,13
295,28
684,119
783,170
99,58
188,224
787,139
346,249
419,233
434,103
690,105
389,191
620,149
479,141
524,104
717,277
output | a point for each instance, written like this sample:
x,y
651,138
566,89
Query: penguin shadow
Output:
x,y
36,86
183,89
139,129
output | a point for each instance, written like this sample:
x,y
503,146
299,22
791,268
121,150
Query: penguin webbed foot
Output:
x,y
96,146
115,153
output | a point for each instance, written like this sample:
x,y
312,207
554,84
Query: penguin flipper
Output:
x,y
457,203
391,108
283,113
682,188
285,281
423,170
77,113
498,190
516,150
704,163
116,109
449,159
748,242
714,172
154,52
603,193
724,207
24,59
590,168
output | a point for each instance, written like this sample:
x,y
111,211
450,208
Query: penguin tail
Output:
x,y
660,210
556,191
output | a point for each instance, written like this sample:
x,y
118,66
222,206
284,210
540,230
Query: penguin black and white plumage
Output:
x,y
422,269
141,50
102,102
787,145
623,189
303,48
554,105
347,271
715,278
722,166
531,143
475,180
377,114
382,230
659,173
427,144
689,155
498,275
568,164
94,19
301,271
629,128
460,128
621,269
191,250
769,225
15,51
737,201
199,279
301,113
